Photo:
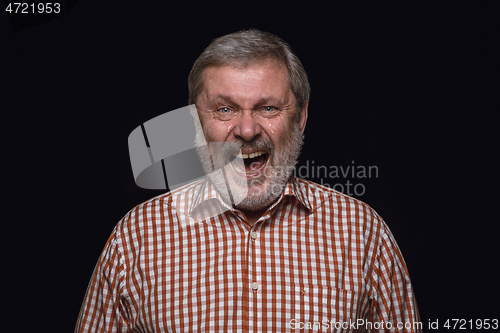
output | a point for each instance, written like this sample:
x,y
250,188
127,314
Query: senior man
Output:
x,y
283,253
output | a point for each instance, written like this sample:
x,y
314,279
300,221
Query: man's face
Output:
x,y
252,109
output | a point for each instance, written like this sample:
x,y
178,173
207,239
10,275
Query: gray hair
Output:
x,y
243,48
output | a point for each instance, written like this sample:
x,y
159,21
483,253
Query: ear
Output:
x,y
303,117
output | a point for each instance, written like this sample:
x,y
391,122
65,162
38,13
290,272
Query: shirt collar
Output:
x,y
207,193
295,188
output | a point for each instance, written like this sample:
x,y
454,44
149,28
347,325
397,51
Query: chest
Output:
x,y
218,279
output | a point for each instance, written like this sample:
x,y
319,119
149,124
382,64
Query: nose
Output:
x,y
247,127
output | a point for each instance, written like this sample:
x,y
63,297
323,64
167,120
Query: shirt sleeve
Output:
x,y
394,306
104,309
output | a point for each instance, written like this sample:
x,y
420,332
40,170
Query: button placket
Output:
x,y
255,269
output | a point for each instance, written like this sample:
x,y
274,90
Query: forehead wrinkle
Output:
x,y
266,62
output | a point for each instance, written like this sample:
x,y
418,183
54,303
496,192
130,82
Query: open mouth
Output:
x,y
252,163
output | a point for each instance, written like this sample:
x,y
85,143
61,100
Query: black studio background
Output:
x,y
389,89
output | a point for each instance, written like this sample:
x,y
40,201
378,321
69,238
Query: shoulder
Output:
x,y
159,211
323,197
340,209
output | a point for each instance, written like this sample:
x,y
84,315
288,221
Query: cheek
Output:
x,y
281,131
215,132
275,126
269,127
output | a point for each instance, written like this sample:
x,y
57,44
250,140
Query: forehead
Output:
x,y
258,80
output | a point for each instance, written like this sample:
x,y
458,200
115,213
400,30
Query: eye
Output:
x,y
269,111
224,110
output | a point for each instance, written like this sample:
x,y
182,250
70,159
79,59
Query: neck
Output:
x,y
253,215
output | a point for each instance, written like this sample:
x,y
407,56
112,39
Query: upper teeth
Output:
x,y
252,155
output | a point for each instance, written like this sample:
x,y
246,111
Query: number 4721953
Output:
x,y
31,8
463,324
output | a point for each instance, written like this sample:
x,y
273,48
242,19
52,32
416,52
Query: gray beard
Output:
x,y
244,196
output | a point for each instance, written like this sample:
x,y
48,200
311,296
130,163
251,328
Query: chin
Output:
x,y
252,203
260,194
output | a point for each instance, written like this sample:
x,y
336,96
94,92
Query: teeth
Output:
x,y
252,155
248,172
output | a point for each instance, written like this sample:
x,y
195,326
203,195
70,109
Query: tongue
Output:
x,y
254,164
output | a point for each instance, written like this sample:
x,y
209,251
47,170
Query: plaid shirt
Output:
x,y
317,260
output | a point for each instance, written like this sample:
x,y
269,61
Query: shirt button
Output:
x,y
255,286
253,235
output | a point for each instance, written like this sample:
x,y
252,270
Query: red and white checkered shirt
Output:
x,y
317,260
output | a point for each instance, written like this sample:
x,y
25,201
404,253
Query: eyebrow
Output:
x,y
262,101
